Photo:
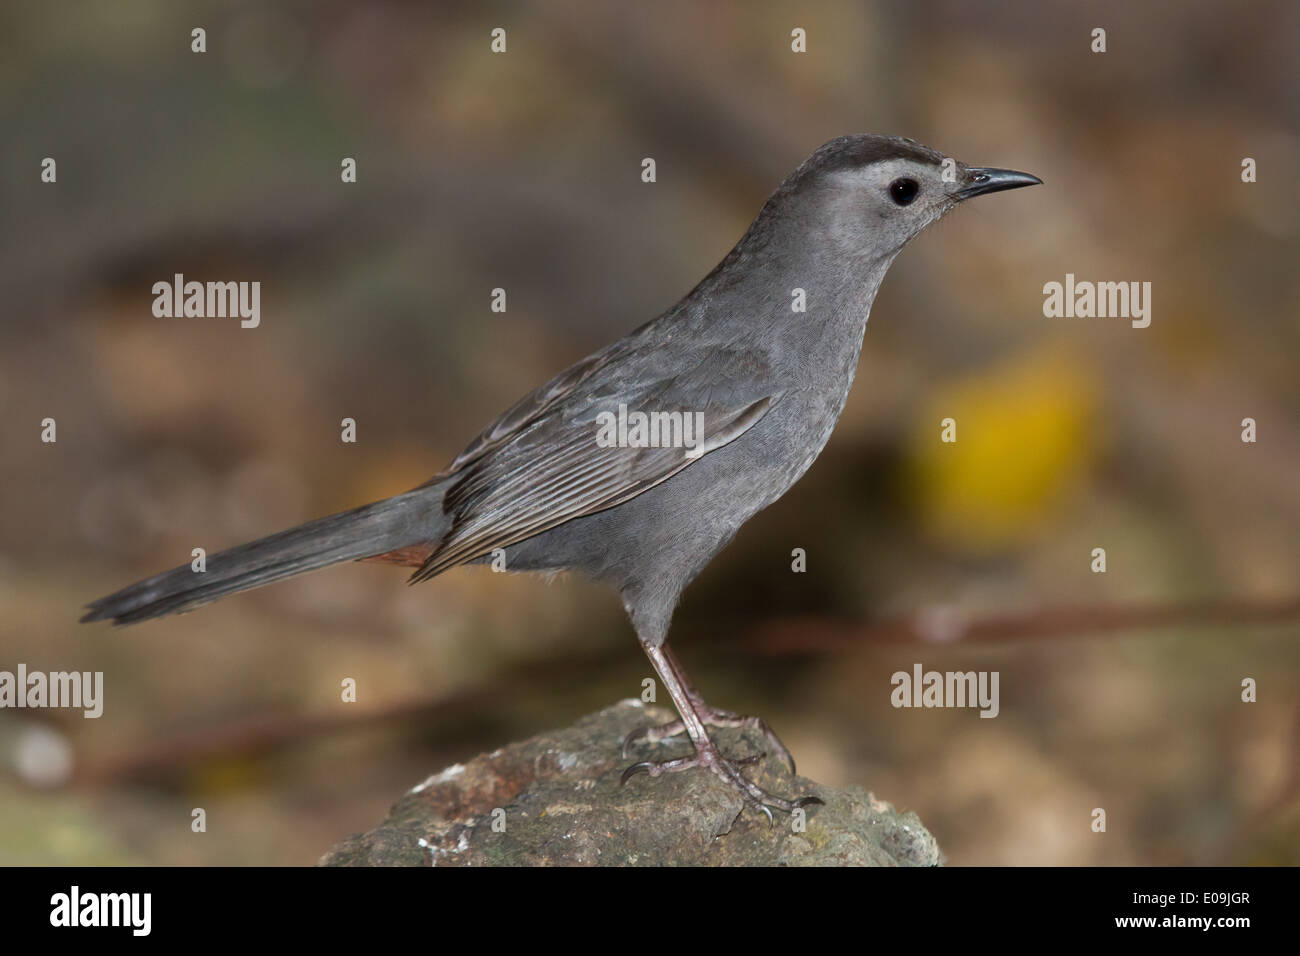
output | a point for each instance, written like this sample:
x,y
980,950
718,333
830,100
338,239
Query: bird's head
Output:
x,y
874,193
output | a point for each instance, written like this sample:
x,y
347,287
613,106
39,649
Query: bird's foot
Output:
x,y
696,716
710,717
707,755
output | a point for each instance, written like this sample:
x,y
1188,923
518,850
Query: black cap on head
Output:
x,y
851,152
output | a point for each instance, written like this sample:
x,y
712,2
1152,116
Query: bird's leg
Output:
x,y
709,716
693,713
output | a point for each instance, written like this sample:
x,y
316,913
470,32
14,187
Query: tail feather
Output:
x,y
374,529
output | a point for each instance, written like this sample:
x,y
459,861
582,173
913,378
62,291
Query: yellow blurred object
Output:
x,y
1023,436
223,775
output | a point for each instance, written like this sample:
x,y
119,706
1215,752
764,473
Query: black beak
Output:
x,y
981,181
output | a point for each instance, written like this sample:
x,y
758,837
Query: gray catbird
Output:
x,y
639,463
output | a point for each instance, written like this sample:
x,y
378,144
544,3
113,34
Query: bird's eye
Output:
x,y
903,191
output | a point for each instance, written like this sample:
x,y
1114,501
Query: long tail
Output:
x,y
399,522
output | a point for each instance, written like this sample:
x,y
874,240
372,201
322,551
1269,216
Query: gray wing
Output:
x,y
541,464
526,411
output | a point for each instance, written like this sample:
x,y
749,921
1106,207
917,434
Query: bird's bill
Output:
x,y
981,180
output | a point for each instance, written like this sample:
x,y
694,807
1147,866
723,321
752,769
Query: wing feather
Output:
x,y
554,470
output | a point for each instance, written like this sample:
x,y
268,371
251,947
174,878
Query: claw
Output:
x,y
809,802
639,734
712,718
707,755
645,766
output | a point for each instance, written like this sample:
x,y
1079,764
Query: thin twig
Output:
x,y
821,635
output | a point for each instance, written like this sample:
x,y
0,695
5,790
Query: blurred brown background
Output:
x,y
521,171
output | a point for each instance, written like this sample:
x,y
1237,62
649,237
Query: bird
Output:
x,y
553,485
